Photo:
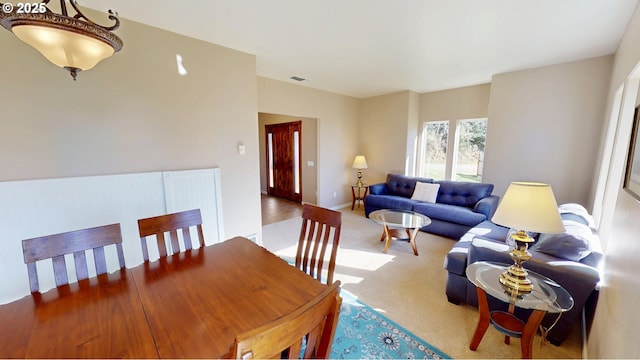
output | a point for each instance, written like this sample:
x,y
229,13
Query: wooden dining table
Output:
x,y
189,305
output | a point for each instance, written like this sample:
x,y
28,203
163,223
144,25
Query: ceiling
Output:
x,y
365,48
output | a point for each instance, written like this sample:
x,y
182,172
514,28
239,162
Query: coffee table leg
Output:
x,y
411,234
387,237
412,239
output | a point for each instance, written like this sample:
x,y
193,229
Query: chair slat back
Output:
x,y
55,247
170,223
315,322
320,228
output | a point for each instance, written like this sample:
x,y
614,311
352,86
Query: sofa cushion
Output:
x,y
389,202
576,212
489,230
402,185
426,192
483,249
451,213
573,244
456,259
462,193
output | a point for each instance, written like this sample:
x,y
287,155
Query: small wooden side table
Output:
x,y
358,194
547,297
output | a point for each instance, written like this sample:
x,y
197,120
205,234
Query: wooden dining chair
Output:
x,y
171,223
77,243
314,322
320,228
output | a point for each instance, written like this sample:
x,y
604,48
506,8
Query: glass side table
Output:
x,y
547,297
399,224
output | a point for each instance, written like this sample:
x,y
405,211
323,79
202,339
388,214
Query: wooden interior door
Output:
x,y
283,160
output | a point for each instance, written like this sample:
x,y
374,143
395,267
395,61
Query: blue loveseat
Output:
x,y
459,205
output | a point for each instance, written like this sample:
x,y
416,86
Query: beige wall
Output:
x,y
469,102
337,132
309,142
384,134
134,113
413,126
617,320
544,125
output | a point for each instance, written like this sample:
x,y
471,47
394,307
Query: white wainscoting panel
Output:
x,y
197,189
34,208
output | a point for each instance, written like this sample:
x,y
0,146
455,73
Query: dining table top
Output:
x,y
188,305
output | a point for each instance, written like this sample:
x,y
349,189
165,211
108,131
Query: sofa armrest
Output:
x,y
378,189
487,206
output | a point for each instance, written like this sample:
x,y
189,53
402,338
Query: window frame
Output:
x,y
451,156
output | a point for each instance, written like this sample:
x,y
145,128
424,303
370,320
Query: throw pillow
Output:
x,y
425,192
573,244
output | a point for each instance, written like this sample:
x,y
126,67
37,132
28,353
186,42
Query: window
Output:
x,y
435,139
270,158
464,159
296,162
469,151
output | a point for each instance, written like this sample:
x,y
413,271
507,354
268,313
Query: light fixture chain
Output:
x,y
63,7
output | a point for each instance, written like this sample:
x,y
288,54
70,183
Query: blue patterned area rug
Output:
x,y
363,333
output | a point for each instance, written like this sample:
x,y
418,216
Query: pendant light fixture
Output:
x,y
73,42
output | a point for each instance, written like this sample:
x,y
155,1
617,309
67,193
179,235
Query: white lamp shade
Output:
x,y
359,162
529,206
64,48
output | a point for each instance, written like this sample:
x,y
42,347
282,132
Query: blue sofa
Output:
x,y
571,259
459,205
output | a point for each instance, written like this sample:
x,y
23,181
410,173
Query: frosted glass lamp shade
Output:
x,y
529,206
64,48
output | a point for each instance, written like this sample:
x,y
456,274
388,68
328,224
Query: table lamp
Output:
x,y
526,206
359,163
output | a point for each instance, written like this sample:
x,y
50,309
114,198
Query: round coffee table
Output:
x,y
399,224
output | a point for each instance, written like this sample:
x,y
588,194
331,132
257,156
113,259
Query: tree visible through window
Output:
x,y
467,156
435,137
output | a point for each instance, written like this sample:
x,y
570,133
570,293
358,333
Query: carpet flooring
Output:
x,y
363,333
409,289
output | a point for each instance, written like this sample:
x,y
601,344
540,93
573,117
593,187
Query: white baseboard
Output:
x,y
341,206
